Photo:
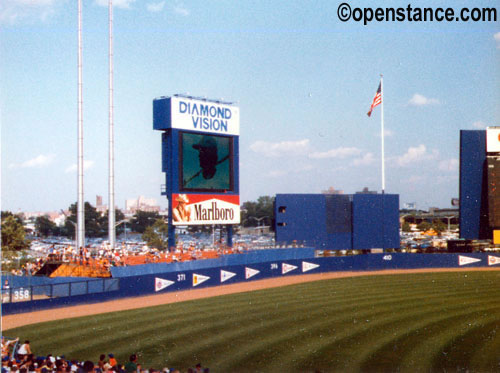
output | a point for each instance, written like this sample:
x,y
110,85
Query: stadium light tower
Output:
x,y
80,235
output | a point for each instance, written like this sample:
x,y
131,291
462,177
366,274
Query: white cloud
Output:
x,y
415,179
15,11
37,162
181,9
341,152
449,165
155,7
388,132
366,160
124,4
479,124
446,179
420,100
497,39
416,154
73,168
280,149
277,173
297,170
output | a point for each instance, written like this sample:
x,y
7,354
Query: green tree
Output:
x,y
45,227
13,234
439,226
156,235
424,226
17,217
119,216
406,227
95,222
142,220
258,213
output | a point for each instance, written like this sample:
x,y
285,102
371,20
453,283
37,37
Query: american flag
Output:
x,y
377,99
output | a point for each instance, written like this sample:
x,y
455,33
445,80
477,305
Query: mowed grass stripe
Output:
x,y
359,329
341,345
295,320
428,336
458,352
202,334
149,320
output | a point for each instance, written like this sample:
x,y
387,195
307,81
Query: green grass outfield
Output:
x,y
432,322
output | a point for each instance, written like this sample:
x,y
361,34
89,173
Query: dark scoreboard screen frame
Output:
x,y
193,160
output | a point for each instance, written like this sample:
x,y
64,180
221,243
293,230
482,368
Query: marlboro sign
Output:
x,y
201,209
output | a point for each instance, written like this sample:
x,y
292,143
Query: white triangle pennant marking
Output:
x,y
308,266
225,275
285,268
464,260
250,272
492,260
199,279
161,283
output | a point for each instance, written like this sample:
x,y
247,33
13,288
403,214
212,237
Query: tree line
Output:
x,y
151,225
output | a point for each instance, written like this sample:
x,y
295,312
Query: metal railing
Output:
x,y
66,289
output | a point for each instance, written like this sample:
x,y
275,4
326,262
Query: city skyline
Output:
x,y
303,80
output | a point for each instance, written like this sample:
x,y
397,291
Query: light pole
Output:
x,y
74,225
259,219
449,218
124,221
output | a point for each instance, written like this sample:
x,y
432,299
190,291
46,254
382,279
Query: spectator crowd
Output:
x,y
18,358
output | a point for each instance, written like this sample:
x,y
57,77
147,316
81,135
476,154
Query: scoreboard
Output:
x,y
493,165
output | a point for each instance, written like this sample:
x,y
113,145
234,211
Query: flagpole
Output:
x,y
382,130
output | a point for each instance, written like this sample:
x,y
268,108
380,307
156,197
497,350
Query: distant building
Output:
x,y
367,191
57,217
99,206
447,216
332,190
143,204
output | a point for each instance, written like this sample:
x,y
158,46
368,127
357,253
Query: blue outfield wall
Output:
x,y
249,257
201,277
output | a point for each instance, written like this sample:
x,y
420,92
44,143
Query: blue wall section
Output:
x,y
375,221
473,186
186,278
338,222
368,222
305,217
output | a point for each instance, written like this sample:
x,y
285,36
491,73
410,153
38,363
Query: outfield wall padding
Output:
x,y
204,276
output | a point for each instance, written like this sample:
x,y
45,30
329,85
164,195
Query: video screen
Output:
x,y
206,162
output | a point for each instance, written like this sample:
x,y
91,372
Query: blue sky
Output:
x,y
303,80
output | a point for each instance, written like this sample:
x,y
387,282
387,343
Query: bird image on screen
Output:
x,y
206,162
